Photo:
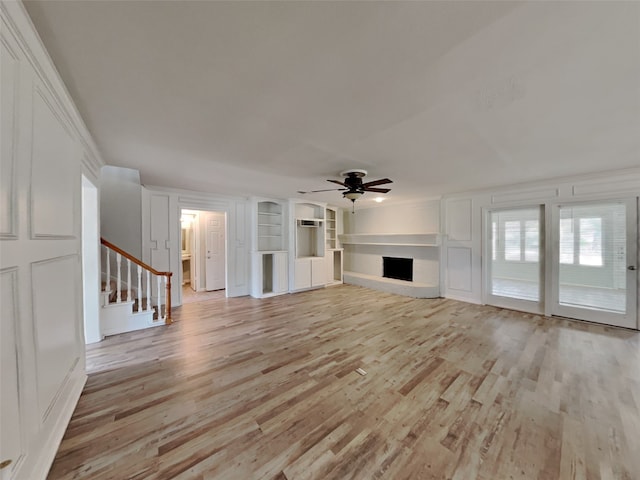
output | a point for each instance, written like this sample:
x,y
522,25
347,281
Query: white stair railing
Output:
x,y
163,295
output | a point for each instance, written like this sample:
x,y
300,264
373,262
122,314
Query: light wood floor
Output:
x,y
267,389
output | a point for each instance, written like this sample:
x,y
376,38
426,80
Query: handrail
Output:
x,y
168,275
107,243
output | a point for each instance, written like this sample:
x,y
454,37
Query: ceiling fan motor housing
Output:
x,y
353,179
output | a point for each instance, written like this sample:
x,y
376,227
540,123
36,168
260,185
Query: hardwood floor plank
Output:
x,y
252,389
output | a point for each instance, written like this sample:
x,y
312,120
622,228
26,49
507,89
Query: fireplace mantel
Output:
x,y
393,239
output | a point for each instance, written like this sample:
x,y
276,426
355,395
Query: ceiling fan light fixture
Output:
x,y
353,196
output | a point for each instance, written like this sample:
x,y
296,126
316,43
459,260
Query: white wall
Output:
x,y
462,220
45,150
121,208
417,217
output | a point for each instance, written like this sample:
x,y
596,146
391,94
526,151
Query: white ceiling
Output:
x,y
273,97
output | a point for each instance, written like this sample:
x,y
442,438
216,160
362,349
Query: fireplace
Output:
x,y
398,268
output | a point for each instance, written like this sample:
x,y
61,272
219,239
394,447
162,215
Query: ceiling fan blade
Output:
x,y
329,190
382,181
337,181
377,190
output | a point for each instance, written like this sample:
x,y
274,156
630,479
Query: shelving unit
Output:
x,y
269,262
331,226
270,232
334,255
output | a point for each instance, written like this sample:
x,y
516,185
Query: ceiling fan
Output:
x,y
353,185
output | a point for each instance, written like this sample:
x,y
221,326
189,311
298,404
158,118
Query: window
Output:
x,y
494,240
581,241
521,240
591,241
531,241
512,242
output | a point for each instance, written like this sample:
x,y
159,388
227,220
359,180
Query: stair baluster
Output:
x,y
128,280
159,298
148,290
107,283
119,282
139,288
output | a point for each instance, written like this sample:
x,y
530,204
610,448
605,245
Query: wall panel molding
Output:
x,y
524,195
54,293
9,102
12,413
631,185
54,184
458,219
459,269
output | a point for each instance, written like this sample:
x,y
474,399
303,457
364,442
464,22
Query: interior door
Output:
x,y
595,262
215,251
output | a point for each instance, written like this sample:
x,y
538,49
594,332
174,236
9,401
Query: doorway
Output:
x,y
582,266
90,262
204,259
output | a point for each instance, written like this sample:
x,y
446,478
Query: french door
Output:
x,y
515,258
594,267
583,266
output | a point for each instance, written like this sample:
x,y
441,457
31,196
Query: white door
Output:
x,y
514,260
595,271
215,251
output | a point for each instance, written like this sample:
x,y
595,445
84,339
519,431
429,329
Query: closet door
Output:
x,y
594,267
514,259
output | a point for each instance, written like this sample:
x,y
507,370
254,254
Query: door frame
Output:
x,y
626,320
91,260
198,253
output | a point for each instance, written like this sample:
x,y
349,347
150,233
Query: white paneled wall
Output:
x,y
462,250
45,149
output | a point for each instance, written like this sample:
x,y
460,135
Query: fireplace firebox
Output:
x,y
398,268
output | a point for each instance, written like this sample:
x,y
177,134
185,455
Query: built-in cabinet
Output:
x,y
316,260
295,247
269,262
308,238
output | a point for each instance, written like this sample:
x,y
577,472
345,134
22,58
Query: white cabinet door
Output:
x,y
302,273
280,273
318,272
329,266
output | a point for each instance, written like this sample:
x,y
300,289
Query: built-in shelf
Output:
x,y
394,239
269,224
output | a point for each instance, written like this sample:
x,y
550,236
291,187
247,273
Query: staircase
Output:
x,y
127,306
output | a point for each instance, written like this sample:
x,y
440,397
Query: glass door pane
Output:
x,y
593,278
514,278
